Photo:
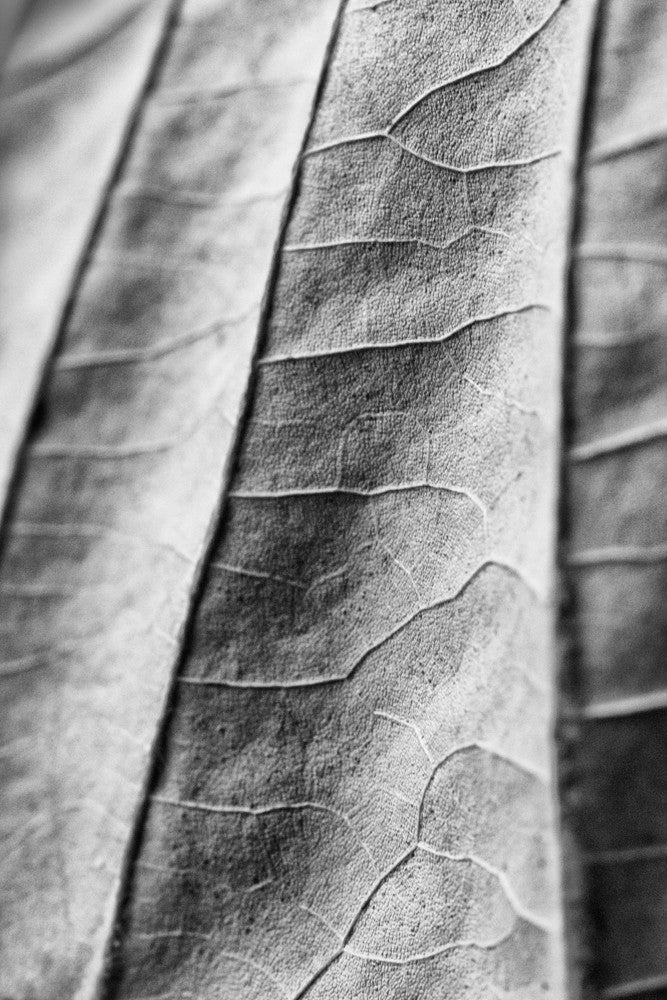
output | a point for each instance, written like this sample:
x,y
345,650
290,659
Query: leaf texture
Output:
x,y
354,792
616,559
60,121
123,471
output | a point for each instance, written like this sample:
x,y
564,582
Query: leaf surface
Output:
x,y
354,795
617,555
349,791
62,127
124,470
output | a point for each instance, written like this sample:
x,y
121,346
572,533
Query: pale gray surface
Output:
x,y
124,474
356,791
73,76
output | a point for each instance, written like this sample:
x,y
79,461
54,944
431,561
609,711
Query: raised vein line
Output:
x,y
361,137
626,145
168,345
630,438
397,241
232,810
338,678
345,140
476,71
86,529
267,810
426,955
635,987
619,555
62,449
375,491
407,342
381,714
492,751
256,574
355,919
644,252
649,701
376,240
501,876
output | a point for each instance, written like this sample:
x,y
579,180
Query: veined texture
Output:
x,y
123,471
354,795
616,514
63,117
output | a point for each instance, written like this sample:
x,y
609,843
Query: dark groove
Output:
x,y
110,979
39,413
580,920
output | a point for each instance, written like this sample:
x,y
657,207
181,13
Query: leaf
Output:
x,y
358,751
615,798
279,651
60,121
122,476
